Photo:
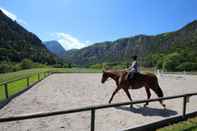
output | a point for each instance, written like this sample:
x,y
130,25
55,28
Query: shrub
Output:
x,y
26,64
96,66
159,64
69,65
57,66
38,65
5,67
171,61
16,67
187,66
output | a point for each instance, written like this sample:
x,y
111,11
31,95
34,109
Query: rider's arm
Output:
x,y
130,67
133,65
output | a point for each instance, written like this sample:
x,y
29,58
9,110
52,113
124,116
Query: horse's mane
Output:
x,y
119,73
116,71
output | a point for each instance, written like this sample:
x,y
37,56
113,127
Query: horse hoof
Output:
x,y
164,106
145,105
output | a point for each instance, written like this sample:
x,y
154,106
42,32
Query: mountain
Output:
x,y
145,46
55,47
16,43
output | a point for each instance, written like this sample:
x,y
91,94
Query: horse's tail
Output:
x,y
158,91
157,88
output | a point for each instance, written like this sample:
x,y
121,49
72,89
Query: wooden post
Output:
x,y
184,105
38,76
27,81
92,120
6,90
44,74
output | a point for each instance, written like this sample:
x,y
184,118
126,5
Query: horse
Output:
x,y
146,80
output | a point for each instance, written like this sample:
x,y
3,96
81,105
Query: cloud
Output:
x,y
70,42
13,16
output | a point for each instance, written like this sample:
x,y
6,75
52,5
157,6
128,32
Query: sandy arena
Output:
x,y
68,91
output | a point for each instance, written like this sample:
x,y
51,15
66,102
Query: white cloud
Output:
x,y
70,42
13,16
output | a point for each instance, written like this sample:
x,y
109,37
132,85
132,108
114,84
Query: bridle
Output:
x,y
108,79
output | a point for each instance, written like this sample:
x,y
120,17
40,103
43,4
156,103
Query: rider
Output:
x,y
133,68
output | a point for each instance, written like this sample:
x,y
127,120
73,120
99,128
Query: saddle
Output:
x,y
131,76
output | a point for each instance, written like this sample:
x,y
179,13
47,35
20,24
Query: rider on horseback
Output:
x,y
133,69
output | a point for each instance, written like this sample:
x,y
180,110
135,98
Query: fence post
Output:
x,y
6,90
92,119
38,76
27,81
44,74
184,105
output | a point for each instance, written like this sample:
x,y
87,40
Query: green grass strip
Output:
x,y
33,79
17,86
23,73
2,93
189,125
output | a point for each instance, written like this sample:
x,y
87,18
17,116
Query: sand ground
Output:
x,y
68,91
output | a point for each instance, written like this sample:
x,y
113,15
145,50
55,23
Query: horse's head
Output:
x,y
104,77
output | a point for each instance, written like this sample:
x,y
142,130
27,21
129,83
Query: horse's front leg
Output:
x,y
126,90
113,94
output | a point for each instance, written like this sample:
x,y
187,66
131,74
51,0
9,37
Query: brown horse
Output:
x,y
148,80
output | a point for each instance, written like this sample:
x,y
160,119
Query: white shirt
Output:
x,y
134,67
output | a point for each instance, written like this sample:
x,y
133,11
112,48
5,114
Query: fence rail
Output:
x,y
93,109
27,78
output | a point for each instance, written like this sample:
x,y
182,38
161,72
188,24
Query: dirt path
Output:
x,y
67,91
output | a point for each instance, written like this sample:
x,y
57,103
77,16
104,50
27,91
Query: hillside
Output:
x,y
16,43
55,47
146,47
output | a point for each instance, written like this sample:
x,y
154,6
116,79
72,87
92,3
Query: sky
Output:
x,y
79,23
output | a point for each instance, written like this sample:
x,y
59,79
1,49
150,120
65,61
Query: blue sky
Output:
x,y
78,23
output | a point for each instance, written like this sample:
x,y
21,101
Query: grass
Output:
x,y
24,73
2,94
19,85
189,125
16,86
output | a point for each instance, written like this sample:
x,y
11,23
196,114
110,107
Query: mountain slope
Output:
x,y
122,49
16,43
55,47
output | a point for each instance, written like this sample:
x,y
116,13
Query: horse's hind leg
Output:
x,y
128,95
148,95
161,102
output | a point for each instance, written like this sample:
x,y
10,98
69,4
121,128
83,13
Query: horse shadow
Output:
x,y
149,111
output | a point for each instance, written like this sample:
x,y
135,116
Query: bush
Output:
x,y
26,64
57,66
38,65
5,67
69,65
159,64
152,60
16,67
171,61
187,66
96,66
